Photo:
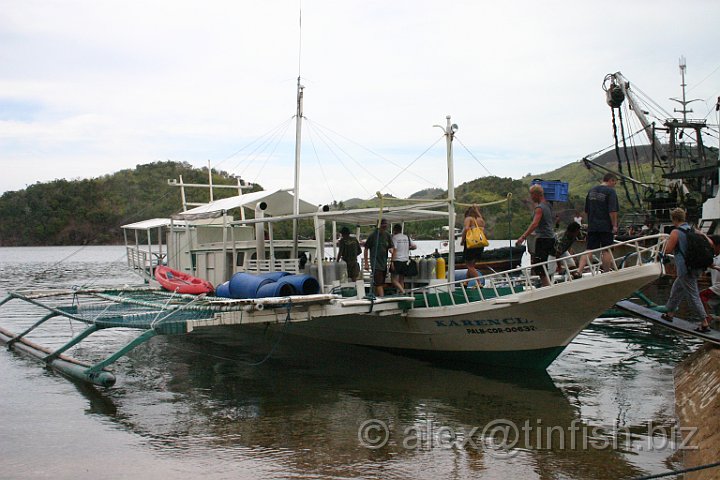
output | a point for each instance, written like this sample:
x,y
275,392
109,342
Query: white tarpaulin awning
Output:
x,y
151,223
368,216
278,203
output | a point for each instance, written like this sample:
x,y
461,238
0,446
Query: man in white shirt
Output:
x,y
401,246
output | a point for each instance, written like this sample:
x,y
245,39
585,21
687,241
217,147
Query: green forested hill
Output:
x,y
91,211
581,179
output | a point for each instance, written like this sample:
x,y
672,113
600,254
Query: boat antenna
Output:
x,y
449,131
300,39
684,102
298,132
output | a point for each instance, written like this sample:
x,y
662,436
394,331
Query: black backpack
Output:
x,y
699,251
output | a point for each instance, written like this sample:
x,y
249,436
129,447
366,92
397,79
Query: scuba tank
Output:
x,y
440,267
423,269
431,268
312,270
329,272
341,272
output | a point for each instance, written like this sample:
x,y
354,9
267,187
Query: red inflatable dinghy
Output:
x,y
180,282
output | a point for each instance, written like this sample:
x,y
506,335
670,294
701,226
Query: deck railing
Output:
x,y
139,261
637,252
291,265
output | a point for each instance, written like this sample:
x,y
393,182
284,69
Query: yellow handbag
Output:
x,y
475,237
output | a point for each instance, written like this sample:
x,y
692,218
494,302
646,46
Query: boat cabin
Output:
x,y
212,243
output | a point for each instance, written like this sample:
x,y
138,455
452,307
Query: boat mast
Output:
x,y
296,188
450,130
684,102
210,184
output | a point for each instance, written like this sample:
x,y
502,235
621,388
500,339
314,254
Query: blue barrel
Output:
x,y
223,290
462,275
274,276
304,284
246,285
275,289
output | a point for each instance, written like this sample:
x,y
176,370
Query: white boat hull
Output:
x,y
528,329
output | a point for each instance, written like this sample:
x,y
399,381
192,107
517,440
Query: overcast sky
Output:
x,y
91,87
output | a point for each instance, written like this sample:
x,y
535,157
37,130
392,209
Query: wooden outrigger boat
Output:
x,y
509,319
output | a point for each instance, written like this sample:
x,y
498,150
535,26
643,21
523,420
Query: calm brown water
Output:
x,y
187,407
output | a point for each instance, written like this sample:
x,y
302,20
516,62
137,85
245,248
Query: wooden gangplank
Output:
x,y
678,324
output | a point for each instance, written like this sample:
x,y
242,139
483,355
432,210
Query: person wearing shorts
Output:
x,y
375,257
401,246
542,224
601,206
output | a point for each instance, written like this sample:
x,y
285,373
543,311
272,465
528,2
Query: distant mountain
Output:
x,y
429,193
91,211
353,202
582,179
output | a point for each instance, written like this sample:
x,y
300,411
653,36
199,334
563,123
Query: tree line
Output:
x,y
91,211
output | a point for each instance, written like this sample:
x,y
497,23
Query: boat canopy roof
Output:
x,y
151,223
278,203
406,213
369,216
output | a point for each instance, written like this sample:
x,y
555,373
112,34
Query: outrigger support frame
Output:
x,y
142,338
75,369
84,334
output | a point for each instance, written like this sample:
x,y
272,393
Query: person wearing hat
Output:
x,y
376,248
348,250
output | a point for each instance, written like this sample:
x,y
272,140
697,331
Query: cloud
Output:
x,y
93,87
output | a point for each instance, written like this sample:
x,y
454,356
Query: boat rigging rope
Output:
x,y
42,273
320,128
157,318
261,141
472,155
487,204
277,341
272,152
617,154
325,139
425,200
411,163
627,158
322,170
237,360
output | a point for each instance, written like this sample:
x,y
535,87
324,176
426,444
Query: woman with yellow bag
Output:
x,y
473,240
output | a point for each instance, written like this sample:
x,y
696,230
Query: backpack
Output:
x,y
699,252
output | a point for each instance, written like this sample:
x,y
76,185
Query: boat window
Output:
x,y
240,260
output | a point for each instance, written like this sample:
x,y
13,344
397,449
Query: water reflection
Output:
x,y
298,414
302,410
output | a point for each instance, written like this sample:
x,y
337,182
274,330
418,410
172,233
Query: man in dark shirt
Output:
x,y
348,250
601,206
376,248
